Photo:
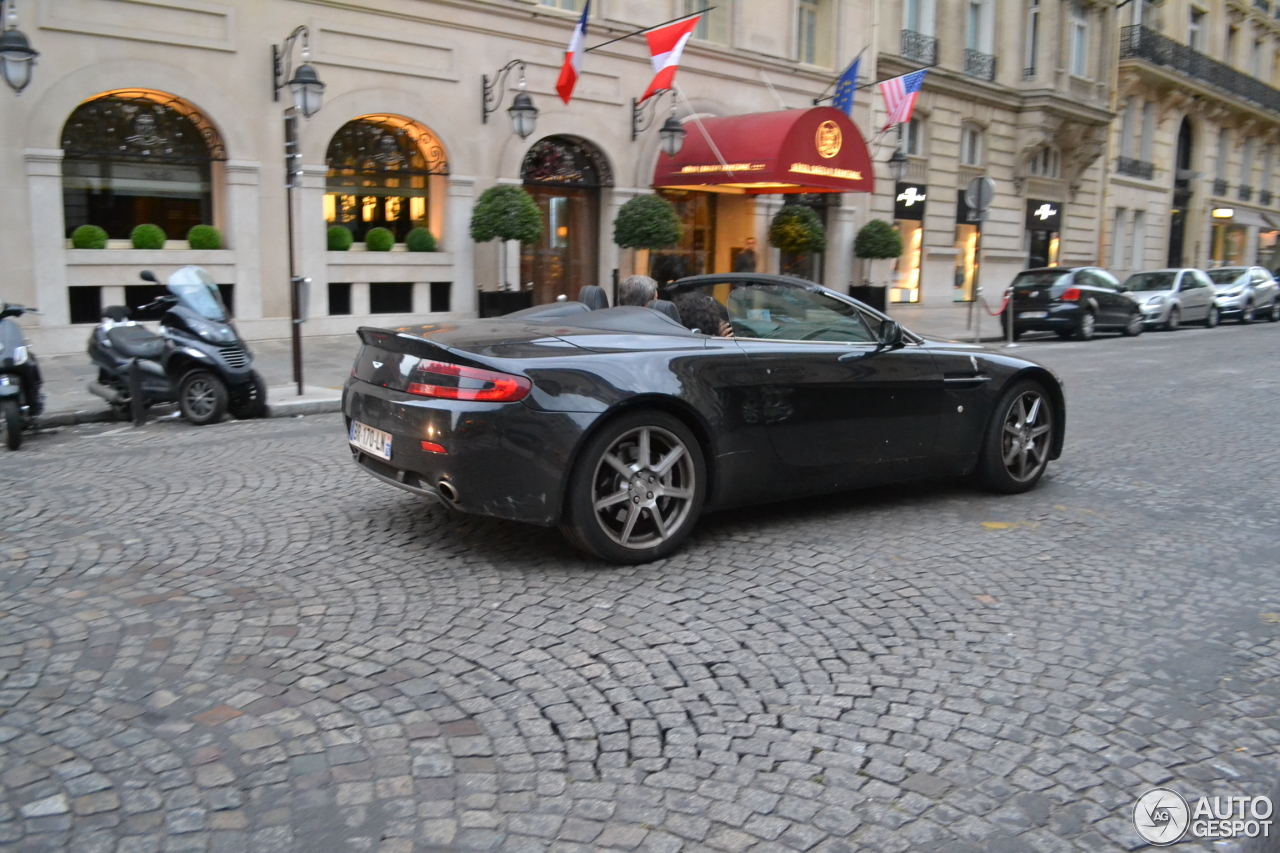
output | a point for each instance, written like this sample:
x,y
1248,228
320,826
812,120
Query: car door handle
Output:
x,y
964,380
785,372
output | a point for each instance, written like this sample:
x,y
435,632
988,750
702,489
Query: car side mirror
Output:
x,y
890,335
148,275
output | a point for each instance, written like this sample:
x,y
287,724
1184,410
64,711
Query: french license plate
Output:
x,y
370,440
1033,315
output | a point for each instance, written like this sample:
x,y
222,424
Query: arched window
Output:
x,y
381,174
137,156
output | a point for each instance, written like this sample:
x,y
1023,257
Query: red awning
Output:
x,y
792,151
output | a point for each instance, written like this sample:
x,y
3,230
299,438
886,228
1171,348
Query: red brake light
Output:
x,y
1071,294
432,447
456,382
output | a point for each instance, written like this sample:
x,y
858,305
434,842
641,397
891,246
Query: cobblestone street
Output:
x,y
231,639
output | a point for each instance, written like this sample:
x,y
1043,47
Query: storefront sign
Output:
x,y
1044,215
909,201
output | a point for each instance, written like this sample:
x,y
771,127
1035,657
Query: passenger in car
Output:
x,y
637,290
701,313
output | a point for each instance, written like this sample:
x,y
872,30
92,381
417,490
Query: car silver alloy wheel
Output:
x,y
1274,316
201,398
1135,325
643,487
1088,324
1246,314
1025,441
1211,319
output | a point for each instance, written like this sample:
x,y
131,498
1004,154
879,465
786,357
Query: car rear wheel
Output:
x,y
1134,326
202,398
1174,320
11,423
1016,449
637,489
1088,325
1247,313
1213,317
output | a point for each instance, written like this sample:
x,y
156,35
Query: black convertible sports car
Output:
x,y
622,426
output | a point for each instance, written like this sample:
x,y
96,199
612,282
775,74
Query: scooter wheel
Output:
x,y
202,398
11,426
251,401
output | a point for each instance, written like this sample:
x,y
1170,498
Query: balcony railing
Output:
x,y
1220,186
1029,73
1138,42
1244,193
919,47
980,65
1136,168
1264,198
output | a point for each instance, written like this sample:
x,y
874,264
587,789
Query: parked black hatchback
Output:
x,y
1074,302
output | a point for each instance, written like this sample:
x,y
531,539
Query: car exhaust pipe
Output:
x,y
100,390
447,491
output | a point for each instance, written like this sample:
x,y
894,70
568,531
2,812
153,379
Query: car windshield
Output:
x,y
1041,280
1144,281
197,290
786,312
1227,275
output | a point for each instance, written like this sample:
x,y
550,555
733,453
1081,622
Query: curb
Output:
x,y
274,410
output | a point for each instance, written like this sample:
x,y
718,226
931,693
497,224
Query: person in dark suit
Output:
x,y
746,259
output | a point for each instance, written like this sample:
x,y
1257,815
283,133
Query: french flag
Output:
x,y
665,46
573,57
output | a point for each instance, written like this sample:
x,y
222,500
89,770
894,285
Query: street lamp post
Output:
x,y
308,92
16,55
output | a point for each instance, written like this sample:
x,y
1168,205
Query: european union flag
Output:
x,y
846,87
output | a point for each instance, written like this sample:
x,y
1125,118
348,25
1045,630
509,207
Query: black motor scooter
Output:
x,y
198,360
20,397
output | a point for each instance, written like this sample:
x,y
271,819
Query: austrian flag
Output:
x,y
665,46
572,67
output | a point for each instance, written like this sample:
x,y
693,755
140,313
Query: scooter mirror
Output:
x,y
148,275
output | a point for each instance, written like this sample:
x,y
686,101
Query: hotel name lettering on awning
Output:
x,y
828,171
717,167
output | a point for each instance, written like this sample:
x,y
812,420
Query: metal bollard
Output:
x,y
1009,315
977,314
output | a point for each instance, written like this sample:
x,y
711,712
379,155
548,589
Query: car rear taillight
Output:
x,y
456,382
1071,294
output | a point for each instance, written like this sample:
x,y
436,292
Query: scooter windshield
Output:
x,y
197,290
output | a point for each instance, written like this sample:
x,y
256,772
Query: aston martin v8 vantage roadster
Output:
x,y
623,425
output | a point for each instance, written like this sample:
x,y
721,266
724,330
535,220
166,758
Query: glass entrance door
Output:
x,y
565,258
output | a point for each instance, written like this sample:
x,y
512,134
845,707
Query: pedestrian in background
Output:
x,y
746,259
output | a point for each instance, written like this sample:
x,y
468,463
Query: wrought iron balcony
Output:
x,y
1138,42
1136,168
1264,197
919,47
1244,193
1029,73
980,65
1220,186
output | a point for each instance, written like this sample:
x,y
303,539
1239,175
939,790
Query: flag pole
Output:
x,y
698,121
654,27
824,96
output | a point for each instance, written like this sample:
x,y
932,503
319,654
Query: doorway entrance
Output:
x,y
564,175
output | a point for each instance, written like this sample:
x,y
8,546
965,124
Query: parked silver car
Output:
x,y
1169,298
1246,293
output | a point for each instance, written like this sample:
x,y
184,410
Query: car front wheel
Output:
x,y
1135,325
637,488
1211,319
1016,449
1273,316
1246,314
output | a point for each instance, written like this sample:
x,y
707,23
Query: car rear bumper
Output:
x,y
505,460
1057,318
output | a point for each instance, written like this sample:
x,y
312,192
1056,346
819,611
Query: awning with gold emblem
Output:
x,y
793,151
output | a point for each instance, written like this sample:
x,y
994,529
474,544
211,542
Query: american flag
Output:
x,y
900,96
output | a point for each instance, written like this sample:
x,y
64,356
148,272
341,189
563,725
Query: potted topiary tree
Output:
x,y
339,238
644,223
419,239
89,237
379,240
876,240
147,237
204,237
796,231
503,213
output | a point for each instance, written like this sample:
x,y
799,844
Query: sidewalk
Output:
x,y
326,363
949,322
